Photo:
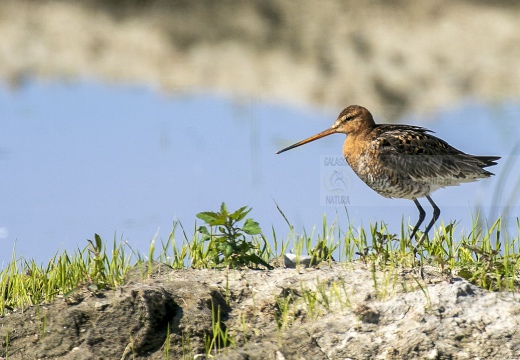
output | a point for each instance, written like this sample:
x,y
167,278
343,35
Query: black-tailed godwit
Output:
x,y
402,161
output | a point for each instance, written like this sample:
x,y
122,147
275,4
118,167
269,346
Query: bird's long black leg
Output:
x,y
422,214
436,213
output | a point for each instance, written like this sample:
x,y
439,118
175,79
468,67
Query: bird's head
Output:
x,y
351,120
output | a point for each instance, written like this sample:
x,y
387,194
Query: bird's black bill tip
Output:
x,y
281,151
290,147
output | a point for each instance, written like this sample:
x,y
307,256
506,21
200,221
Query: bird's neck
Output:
x,y
354,146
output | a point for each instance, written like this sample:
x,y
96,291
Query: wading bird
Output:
x,y
402,161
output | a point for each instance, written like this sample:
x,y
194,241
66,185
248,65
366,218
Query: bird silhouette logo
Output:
x,y
336,181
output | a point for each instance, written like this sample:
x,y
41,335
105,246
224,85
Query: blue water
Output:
x,y
126,162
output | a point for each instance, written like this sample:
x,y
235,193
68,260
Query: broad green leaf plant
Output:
x,y
228,243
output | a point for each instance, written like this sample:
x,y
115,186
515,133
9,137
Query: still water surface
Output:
x,y
125,161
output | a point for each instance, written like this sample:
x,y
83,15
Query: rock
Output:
x,y
342,311
292,261
101,305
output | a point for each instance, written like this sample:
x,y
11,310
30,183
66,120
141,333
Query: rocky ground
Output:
x,y
394,57
337,311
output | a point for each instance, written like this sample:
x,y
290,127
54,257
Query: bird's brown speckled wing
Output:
x,y
413,151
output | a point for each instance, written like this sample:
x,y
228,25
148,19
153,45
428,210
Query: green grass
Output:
x,y
485,255
488,257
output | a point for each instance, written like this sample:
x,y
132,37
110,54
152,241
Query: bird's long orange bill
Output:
x,y
308,140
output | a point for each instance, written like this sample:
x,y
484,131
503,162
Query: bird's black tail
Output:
x,y
487,160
